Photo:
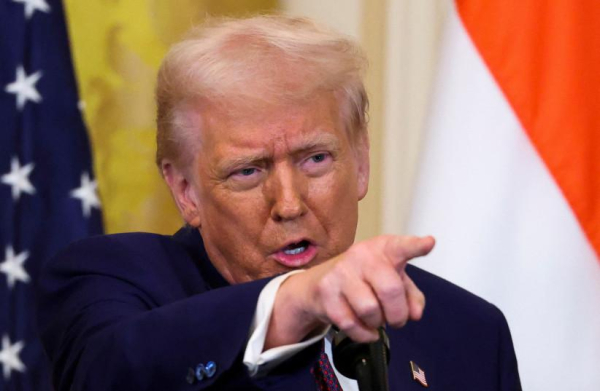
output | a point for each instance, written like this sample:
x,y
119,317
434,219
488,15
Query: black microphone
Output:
x,y
367,363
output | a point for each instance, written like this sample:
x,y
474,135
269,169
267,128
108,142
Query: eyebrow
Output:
x,y
248,160
327,141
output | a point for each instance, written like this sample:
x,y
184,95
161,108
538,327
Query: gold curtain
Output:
x,y
117,48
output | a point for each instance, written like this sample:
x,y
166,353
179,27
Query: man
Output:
x,y
262,139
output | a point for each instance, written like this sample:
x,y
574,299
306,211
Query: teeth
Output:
x,y
295,250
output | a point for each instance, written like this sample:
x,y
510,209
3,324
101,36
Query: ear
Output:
x,y
183,193
363,165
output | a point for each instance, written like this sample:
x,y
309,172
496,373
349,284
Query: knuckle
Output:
x,y
368,309
397,316
395,247
325,292
401,247
335,316
327,285
360,251
391,292
342,270
356,256
346,324
324,283
322,289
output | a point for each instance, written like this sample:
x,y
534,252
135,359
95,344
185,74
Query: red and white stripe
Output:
x,y
420,376
509,181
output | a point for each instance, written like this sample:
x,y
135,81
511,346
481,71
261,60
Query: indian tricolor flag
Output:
x,y
509,181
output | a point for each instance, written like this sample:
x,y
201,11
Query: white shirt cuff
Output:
x,y
259,363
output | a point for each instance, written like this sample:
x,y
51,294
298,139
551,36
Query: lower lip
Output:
x,y
296,260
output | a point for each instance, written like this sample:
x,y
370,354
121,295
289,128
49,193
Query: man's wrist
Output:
x,y
260,359
290,322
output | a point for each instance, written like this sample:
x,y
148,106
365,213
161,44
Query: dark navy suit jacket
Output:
x,y
135,311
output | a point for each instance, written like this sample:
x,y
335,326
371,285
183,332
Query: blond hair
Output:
x,y
253,62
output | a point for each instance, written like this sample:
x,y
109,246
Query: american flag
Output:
x,y
418,374
48,195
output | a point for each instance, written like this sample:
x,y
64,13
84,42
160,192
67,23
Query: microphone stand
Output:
x,y
367,363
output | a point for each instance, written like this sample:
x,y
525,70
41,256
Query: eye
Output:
x,y
247,171
318,158
245,178
243,173
318,164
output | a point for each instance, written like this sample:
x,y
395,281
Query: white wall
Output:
x,y
414,29
342,15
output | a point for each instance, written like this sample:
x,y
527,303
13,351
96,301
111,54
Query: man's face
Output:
x,y
275,191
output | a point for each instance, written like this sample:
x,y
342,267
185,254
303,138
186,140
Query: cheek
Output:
x,y
239,211
233,225
339,187
335,203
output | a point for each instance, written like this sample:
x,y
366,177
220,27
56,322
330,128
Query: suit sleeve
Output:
x,y
507,359
108,323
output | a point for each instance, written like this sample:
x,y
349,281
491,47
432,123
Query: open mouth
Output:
x,y
296,248
296,254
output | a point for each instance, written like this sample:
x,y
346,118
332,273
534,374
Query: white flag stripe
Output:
x,y
503,227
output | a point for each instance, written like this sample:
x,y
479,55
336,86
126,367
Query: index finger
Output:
x,y
401,249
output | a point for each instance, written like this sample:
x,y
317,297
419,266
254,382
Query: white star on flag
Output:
x,y
34,5
24,87
9,357
18,178
13,267
87,194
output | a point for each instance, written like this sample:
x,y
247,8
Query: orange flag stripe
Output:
x,y
545,56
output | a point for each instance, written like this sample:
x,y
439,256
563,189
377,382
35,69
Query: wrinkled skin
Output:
x,y
286,175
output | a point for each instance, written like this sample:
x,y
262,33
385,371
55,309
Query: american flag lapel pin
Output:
x,y
418,374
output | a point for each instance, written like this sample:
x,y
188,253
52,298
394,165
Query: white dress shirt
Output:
x,y
260,363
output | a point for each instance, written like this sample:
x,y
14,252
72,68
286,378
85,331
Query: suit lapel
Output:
x,y
404,348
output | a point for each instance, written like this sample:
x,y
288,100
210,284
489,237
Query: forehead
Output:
x,y
314,120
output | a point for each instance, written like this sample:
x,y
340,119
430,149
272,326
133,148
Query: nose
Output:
x,y
287,194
